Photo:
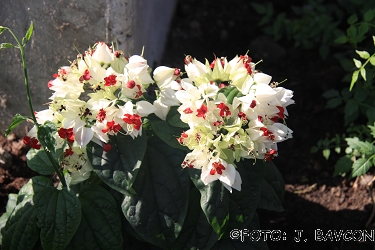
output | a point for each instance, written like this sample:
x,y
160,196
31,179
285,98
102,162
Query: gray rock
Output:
x,y
61,26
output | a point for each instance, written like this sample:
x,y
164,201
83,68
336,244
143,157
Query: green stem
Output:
x,y
26,77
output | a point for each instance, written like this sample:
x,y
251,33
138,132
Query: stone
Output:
x,y
61,28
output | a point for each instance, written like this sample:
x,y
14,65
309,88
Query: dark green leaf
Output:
x,y
369,15
361,166
196,232
362,30
269,199
244,203
215,200
21,230
38,161
331,94
352,34
58,213
343,165
246,238
259,8
29,32
360,94
314,149
158,210
17,119
173,118
100,226
119,167
12,202
352,19
275,179
324,51
351,107
341,40
168,133
46,136
334,102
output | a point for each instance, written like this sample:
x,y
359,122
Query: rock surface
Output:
x,y
64,26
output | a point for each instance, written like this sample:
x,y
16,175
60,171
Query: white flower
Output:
x,y
218,169
138,70
102,53
161,110
82,134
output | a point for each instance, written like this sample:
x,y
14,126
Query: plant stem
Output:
x,y
53,161
26,76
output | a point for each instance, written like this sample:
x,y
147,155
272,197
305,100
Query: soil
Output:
x,y
313,198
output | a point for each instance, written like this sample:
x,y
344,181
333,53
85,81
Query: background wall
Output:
x,y
62,27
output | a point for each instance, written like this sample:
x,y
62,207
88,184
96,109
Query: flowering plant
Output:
x,y
187,158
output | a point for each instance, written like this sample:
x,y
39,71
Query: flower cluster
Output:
x,y
231,110
98,95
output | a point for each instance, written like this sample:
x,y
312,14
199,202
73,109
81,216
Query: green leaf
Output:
x,y
326,153
215,200
331,94
196,232
46,136
17,119
29,32
21,230
372,60
232,94
357,63
364,147
100,226
119,167
343,165
352,19
363,73
259,8
361,166
351,110
334,102
272,189
173,118
58,213
352,34
369,15
6,46
2,29
354,79
314,149
360,94
168,133
239,238
158,210
372,128
12,202
363,54
341,40
38,161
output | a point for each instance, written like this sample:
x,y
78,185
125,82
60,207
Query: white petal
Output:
x,y
145,108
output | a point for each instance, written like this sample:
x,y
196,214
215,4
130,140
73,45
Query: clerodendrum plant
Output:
x,y
178,164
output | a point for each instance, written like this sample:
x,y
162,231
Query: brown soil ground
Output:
x,y
313,199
